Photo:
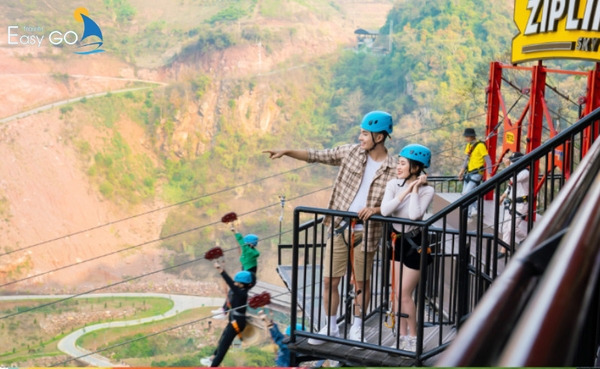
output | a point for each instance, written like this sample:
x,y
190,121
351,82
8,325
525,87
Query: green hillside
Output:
x,y
434,81
441,51
440,56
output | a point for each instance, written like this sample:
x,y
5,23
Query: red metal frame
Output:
x,y
537,111
592,101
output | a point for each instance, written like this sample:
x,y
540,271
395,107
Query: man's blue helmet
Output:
x,y
251,239
418,153
243,277
378,121
288,330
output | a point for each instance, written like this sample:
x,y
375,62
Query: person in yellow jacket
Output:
x,y
477,160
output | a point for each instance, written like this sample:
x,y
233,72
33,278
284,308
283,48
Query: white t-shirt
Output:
x,y
360,200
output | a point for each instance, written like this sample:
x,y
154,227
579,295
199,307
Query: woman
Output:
x,y
408,196
238,298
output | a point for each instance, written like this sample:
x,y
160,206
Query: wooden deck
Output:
x,y
348,355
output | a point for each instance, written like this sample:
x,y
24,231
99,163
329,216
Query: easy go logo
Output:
x,y
90,42
90,29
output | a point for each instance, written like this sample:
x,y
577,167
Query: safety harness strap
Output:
x,y
391,315
352,239
236,326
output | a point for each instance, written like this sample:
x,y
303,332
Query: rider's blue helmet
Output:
x,y
417,153
288,330
243,277
251,239
378,121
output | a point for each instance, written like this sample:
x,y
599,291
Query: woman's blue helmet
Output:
x,y
251,239
288,330
378,121
243,277
417,153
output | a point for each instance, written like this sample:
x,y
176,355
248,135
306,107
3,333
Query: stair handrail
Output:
x,y
483,336
549,330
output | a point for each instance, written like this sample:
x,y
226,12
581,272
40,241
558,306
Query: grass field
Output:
x,y
181,347
32,334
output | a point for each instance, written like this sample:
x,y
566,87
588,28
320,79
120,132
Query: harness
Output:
x,y
352,239
390,314
519,200
235,326
479,170
352,224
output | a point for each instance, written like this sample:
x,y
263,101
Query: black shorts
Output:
x,y
253,271
406,252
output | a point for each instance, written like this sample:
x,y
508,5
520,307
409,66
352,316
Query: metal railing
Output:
x,y
543,310
437,293
463,265
443,184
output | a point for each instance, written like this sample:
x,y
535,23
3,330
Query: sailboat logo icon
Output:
x,y
92,35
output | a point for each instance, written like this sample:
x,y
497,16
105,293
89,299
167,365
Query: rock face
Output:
x,y
45,191
190,130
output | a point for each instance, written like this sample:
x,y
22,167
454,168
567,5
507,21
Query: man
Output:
x,y
365,169
521,208
476,161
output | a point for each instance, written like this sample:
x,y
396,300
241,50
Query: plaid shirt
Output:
x,y
353,161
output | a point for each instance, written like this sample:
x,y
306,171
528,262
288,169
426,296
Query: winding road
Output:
x,y
26,113
64,102
68,343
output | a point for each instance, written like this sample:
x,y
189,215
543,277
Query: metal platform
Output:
x,y
443,199
351,356
310,299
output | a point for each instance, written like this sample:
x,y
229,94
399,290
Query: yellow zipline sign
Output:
x,y
556,29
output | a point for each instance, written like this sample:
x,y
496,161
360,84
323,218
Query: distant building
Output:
x,y
372,41
365,37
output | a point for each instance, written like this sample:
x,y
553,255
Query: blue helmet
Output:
x,y
378,121
243,277
288,330
251,239
418,153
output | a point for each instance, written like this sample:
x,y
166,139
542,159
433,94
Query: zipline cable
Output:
x,y
151,241
153,210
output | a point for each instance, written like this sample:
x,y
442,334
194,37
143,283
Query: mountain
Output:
x,y
194,92
202,99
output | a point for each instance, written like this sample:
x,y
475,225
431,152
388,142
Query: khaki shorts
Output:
x,y
338,246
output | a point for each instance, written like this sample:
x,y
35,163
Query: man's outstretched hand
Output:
x,y
274,154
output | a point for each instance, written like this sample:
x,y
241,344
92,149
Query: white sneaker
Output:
x,y
219,316
355,335
410,343
206,361
401,344
218,311
323,331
